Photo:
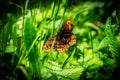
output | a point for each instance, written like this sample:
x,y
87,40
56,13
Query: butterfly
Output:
x,y
63,40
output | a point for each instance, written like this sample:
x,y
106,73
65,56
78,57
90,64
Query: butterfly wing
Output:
x,y
70,38
67,27
59,45
48,44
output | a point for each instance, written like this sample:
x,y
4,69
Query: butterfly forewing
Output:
x,y
48,44
67,26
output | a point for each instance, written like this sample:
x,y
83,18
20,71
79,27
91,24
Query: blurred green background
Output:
x,y
25,25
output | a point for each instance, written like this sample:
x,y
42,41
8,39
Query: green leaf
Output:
x,y
31,47
68,58
113,43
103,44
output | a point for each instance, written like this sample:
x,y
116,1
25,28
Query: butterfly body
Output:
x,y
64,39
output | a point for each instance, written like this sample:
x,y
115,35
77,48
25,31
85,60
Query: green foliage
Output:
x,y
112,42
31,47
94,56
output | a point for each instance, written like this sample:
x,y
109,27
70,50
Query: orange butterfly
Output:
x,y
64,39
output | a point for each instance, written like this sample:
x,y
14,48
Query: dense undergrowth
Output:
x,y
96,54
